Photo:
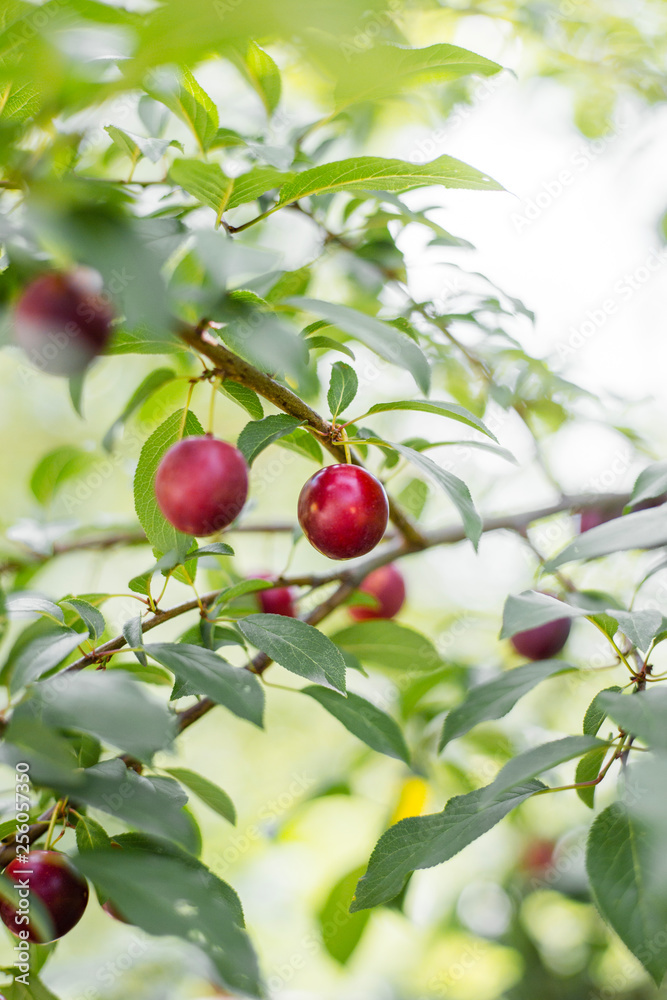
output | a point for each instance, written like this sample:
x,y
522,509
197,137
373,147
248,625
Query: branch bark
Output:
x,y
235,368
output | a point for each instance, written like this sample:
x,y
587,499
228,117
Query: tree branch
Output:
x,y
235,368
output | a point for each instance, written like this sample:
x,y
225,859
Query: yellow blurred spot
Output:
x,y
411,800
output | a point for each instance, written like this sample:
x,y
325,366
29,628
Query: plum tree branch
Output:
x,y
238,370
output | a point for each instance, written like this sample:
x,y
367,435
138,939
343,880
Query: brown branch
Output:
x,y
235,368
99,542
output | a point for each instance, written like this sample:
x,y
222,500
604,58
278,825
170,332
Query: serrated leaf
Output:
x,y
640,627
454,487
364,720
342,388
650,484
443,409
596,714
646,529
385,69
588,769
154,381
204,181
210,794
390,343
387,644
621,874
43,654
207,673
260,69
424,841
297,646
531,609
89,615
375,173
496,698
159,532
255,183
303,443
538,759
196,108
259,434
166,894
90,836
19,605
642,714
111,706
246,398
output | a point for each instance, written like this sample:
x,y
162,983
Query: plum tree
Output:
x,y
201,484
544,641
277,600
343,511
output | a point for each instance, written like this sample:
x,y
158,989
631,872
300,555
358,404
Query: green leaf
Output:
x,y
43,654
152,804
196,108
90,836
496,698
595,714
245,398
89,615
259,434
650,484
390,343
237,689
136,146
159,532
385,643
413,497
142,342
111,706
424,841
134,636
36,991
384,70
255,183
341,930
454,487
19,605
210,794
368,723
259,68
303,443
152,382
622,876
640,627
123,141
342,388
646,529
642,714
166,894
364,173
535,761
298,647
588,769
443,409
328,344
532,609
204,181
56,468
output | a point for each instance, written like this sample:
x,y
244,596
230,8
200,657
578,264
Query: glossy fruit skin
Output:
x,y
64,893
277,601
343,511
387,585
543,642
62,321
201,484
